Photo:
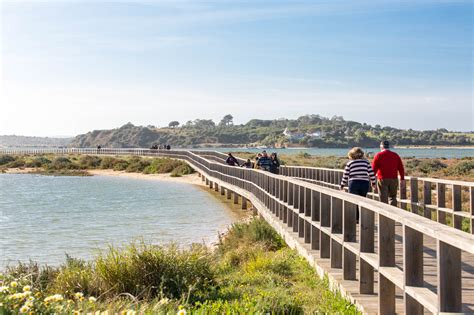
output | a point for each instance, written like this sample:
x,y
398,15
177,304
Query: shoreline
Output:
x,y
189,179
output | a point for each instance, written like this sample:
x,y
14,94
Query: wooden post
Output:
x,y
449,278
324,239
216,187
222,191
457,206
211,184
244,203
236,198
336,228
315,205
426,199
386,254
207,181
307,202
229,192
290,194
314,238
301,198
441,202
414,194
412,266
471,207
349,226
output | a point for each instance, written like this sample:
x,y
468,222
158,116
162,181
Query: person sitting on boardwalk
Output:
x,y
231,160
275,166
264,162
386,165
247,164
358,173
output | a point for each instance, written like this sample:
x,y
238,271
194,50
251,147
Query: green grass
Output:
x,y
250,271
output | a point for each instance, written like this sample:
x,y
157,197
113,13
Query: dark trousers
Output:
x,y
388,190
359,187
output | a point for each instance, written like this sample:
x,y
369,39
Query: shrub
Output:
x,y
465,167
148,271
76,276
60,163
38,162
137,165
89,161
257,230
5,159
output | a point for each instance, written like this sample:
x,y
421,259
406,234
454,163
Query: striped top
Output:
x,y
358,170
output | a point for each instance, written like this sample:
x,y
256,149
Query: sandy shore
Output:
x,y
189,179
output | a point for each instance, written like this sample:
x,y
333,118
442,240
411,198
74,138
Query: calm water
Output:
x,y
409,152
44,217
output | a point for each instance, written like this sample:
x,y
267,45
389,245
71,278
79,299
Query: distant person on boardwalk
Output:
x,y
255,165
231,160
275,166
264,162
386,165
247,164
168,147
98,148
358,173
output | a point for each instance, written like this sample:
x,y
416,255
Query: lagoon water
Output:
x,y
44,217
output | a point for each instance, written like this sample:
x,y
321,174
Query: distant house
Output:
x,y
293,135
296,136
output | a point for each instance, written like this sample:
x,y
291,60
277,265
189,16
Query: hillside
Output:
x,y
22,141
309,130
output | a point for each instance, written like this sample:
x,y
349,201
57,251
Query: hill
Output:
x,y
309,130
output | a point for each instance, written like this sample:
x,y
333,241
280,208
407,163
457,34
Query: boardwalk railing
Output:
x,y
445,201
391,261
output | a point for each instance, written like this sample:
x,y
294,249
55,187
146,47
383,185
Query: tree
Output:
x,y
227,120
173,124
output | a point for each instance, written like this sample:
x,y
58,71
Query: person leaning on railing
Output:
x,y
358,173
387,164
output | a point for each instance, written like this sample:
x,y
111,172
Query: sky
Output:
x,y
69,67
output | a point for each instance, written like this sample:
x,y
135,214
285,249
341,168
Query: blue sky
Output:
x,y
72,66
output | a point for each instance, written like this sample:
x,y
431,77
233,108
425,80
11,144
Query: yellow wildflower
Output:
x,y
54,298
24,309
26,288
131,312
92,299
182,312
3,289
14,284
104,313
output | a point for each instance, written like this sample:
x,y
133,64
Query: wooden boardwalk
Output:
x,y
392,261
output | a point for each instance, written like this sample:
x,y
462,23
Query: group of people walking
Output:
x,y
382,173
262,161
359,174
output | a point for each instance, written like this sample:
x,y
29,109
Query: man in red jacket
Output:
x,y
387,165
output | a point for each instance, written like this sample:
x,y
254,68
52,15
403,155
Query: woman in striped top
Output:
x,y
358,173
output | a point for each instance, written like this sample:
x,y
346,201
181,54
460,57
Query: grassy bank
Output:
x,y
77,165
250,271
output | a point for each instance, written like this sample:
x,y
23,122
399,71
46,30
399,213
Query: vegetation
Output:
x,y
79,164
251,271
309,130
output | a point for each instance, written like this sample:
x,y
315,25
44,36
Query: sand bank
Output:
x,y
189,179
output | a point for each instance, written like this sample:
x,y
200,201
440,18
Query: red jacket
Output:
x,y
386,164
